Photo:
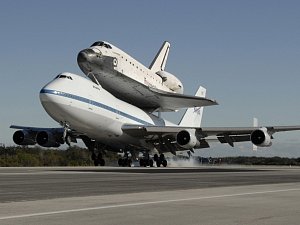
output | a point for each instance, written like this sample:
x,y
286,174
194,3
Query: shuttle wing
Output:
x,y
166,101
151,99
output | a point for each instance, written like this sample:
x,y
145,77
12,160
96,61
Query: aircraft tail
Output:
x,y
160,60
193,116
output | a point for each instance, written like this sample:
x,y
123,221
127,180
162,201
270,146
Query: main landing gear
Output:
x,y
146,161
125,161
160,160
98,160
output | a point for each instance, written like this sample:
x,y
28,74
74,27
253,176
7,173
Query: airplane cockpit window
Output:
x,y
102,44
63,76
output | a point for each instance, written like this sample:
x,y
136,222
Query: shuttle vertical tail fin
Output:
x,y
193,116
160,60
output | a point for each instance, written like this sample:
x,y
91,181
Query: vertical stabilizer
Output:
x,y
160,60
193,116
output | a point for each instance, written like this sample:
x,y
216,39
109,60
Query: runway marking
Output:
x,y
144,203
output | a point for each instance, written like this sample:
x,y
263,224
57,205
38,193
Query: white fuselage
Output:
x,y
90,110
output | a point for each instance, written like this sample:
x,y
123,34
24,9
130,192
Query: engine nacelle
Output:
x,y
187,139
171,81
23,137
47,139
261,138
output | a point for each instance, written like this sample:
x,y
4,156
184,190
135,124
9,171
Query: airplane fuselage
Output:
x,y
87,107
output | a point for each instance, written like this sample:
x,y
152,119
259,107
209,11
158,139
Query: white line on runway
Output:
x,y
144,203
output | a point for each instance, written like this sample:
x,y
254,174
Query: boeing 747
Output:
x,y
105,122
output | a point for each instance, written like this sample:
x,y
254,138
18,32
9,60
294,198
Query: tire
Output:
x,y
164,163
120,162
155,157
158,163
102,162
151,162
129,162
142,162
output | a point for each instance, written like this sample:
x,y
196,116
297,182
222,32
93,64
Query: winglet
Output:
x,y
160,60
193,116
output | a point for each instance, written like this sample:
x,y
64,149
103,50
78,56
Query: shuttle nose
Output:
x,y
86,55
87,58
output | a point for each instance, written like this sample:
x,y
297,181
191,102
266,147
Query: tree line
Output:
x,y
36,156
76,156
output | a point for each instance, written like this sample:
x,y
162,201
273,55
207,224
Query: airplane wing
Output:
x,y
36,129
195,137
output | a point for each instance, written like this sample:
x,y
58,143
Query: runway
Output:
x,y
204,195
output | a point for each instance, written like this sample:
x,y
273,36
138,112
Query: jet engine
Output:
x,y
261,138
23,137
187,139
47,139
171,81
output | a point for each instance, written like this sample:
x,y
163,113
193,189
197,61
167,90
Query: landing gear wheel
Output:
x,y
151,162
155,157
142,163
124,162
93,156
96,163
120,162
161,160
158,163
101,162
164,163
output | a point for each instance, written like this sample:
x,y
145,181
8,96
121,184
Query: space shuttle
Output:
x,y
150,88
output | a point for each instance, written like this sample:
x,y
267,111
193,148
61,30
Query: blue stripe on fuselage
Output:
x,y
91,102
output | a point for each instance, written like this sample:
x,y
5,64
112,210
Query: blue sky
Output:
x,y
246,53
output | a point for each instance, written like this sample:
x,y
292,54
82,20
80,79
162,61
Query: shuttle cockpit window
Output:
x,y
102,44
